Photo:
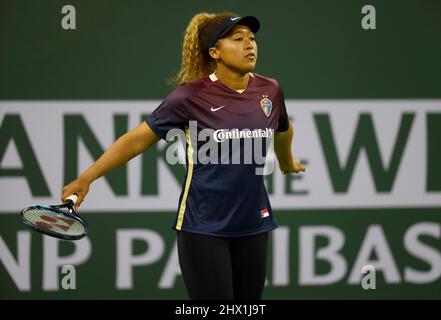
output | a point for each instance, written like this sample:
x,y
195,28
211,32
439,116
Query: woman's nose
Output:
x,y
248,44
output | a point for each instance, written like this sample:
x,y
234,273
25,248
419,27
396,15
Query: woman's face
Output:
x,y
237,51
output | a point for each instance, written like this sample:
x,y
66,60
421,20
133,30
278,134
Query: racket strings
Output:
x,y
45,219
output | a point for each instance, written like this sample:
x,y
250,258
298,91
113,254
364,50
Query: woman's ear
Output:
x,y
214,53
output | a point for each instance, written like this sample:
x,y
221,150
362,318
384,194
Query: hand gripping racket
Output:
x,y
60,221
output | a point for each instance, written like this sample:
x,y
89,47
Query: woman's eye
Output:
x,y
238,39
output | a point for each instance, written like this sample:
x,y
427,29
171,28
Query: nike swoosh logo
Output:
x,y
215,109
232,19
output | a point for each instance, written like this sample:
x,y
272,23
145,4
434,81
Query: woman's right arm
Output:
x,y
122,150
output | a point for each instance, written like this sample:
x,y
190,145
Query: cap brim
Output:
x,y
249,21
229,23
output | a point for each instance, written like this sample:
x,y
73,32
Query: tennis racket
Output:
x,y
60,221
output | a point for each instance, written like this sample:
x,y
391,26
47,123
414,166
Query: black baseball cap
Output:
x,y
228,23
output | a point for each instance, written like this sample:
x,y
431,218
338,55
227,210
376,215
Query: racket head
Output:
x,y
59,221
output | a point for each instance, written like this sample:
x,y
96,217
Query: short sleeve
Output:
x,y
170,114
283,119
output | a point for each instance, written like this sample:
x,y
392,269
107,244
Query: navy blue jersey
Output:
x,y
226,195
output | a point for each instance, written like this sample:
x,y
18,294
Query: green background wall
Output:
x,y
126,49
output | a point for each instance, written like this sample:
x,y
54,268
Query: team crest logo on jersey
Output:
x,y
266,105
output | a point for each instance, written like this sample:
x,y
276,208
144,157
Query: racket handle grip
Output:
x,y
73,198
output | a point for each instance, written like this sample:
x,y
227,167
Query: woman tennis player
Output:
x,y
224,214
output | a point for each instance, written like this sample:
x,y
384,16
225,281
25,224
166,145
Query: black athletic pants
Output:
x,y
223,268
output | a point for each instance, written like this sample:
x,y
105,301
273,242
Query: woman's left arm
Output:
x,y
282,148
